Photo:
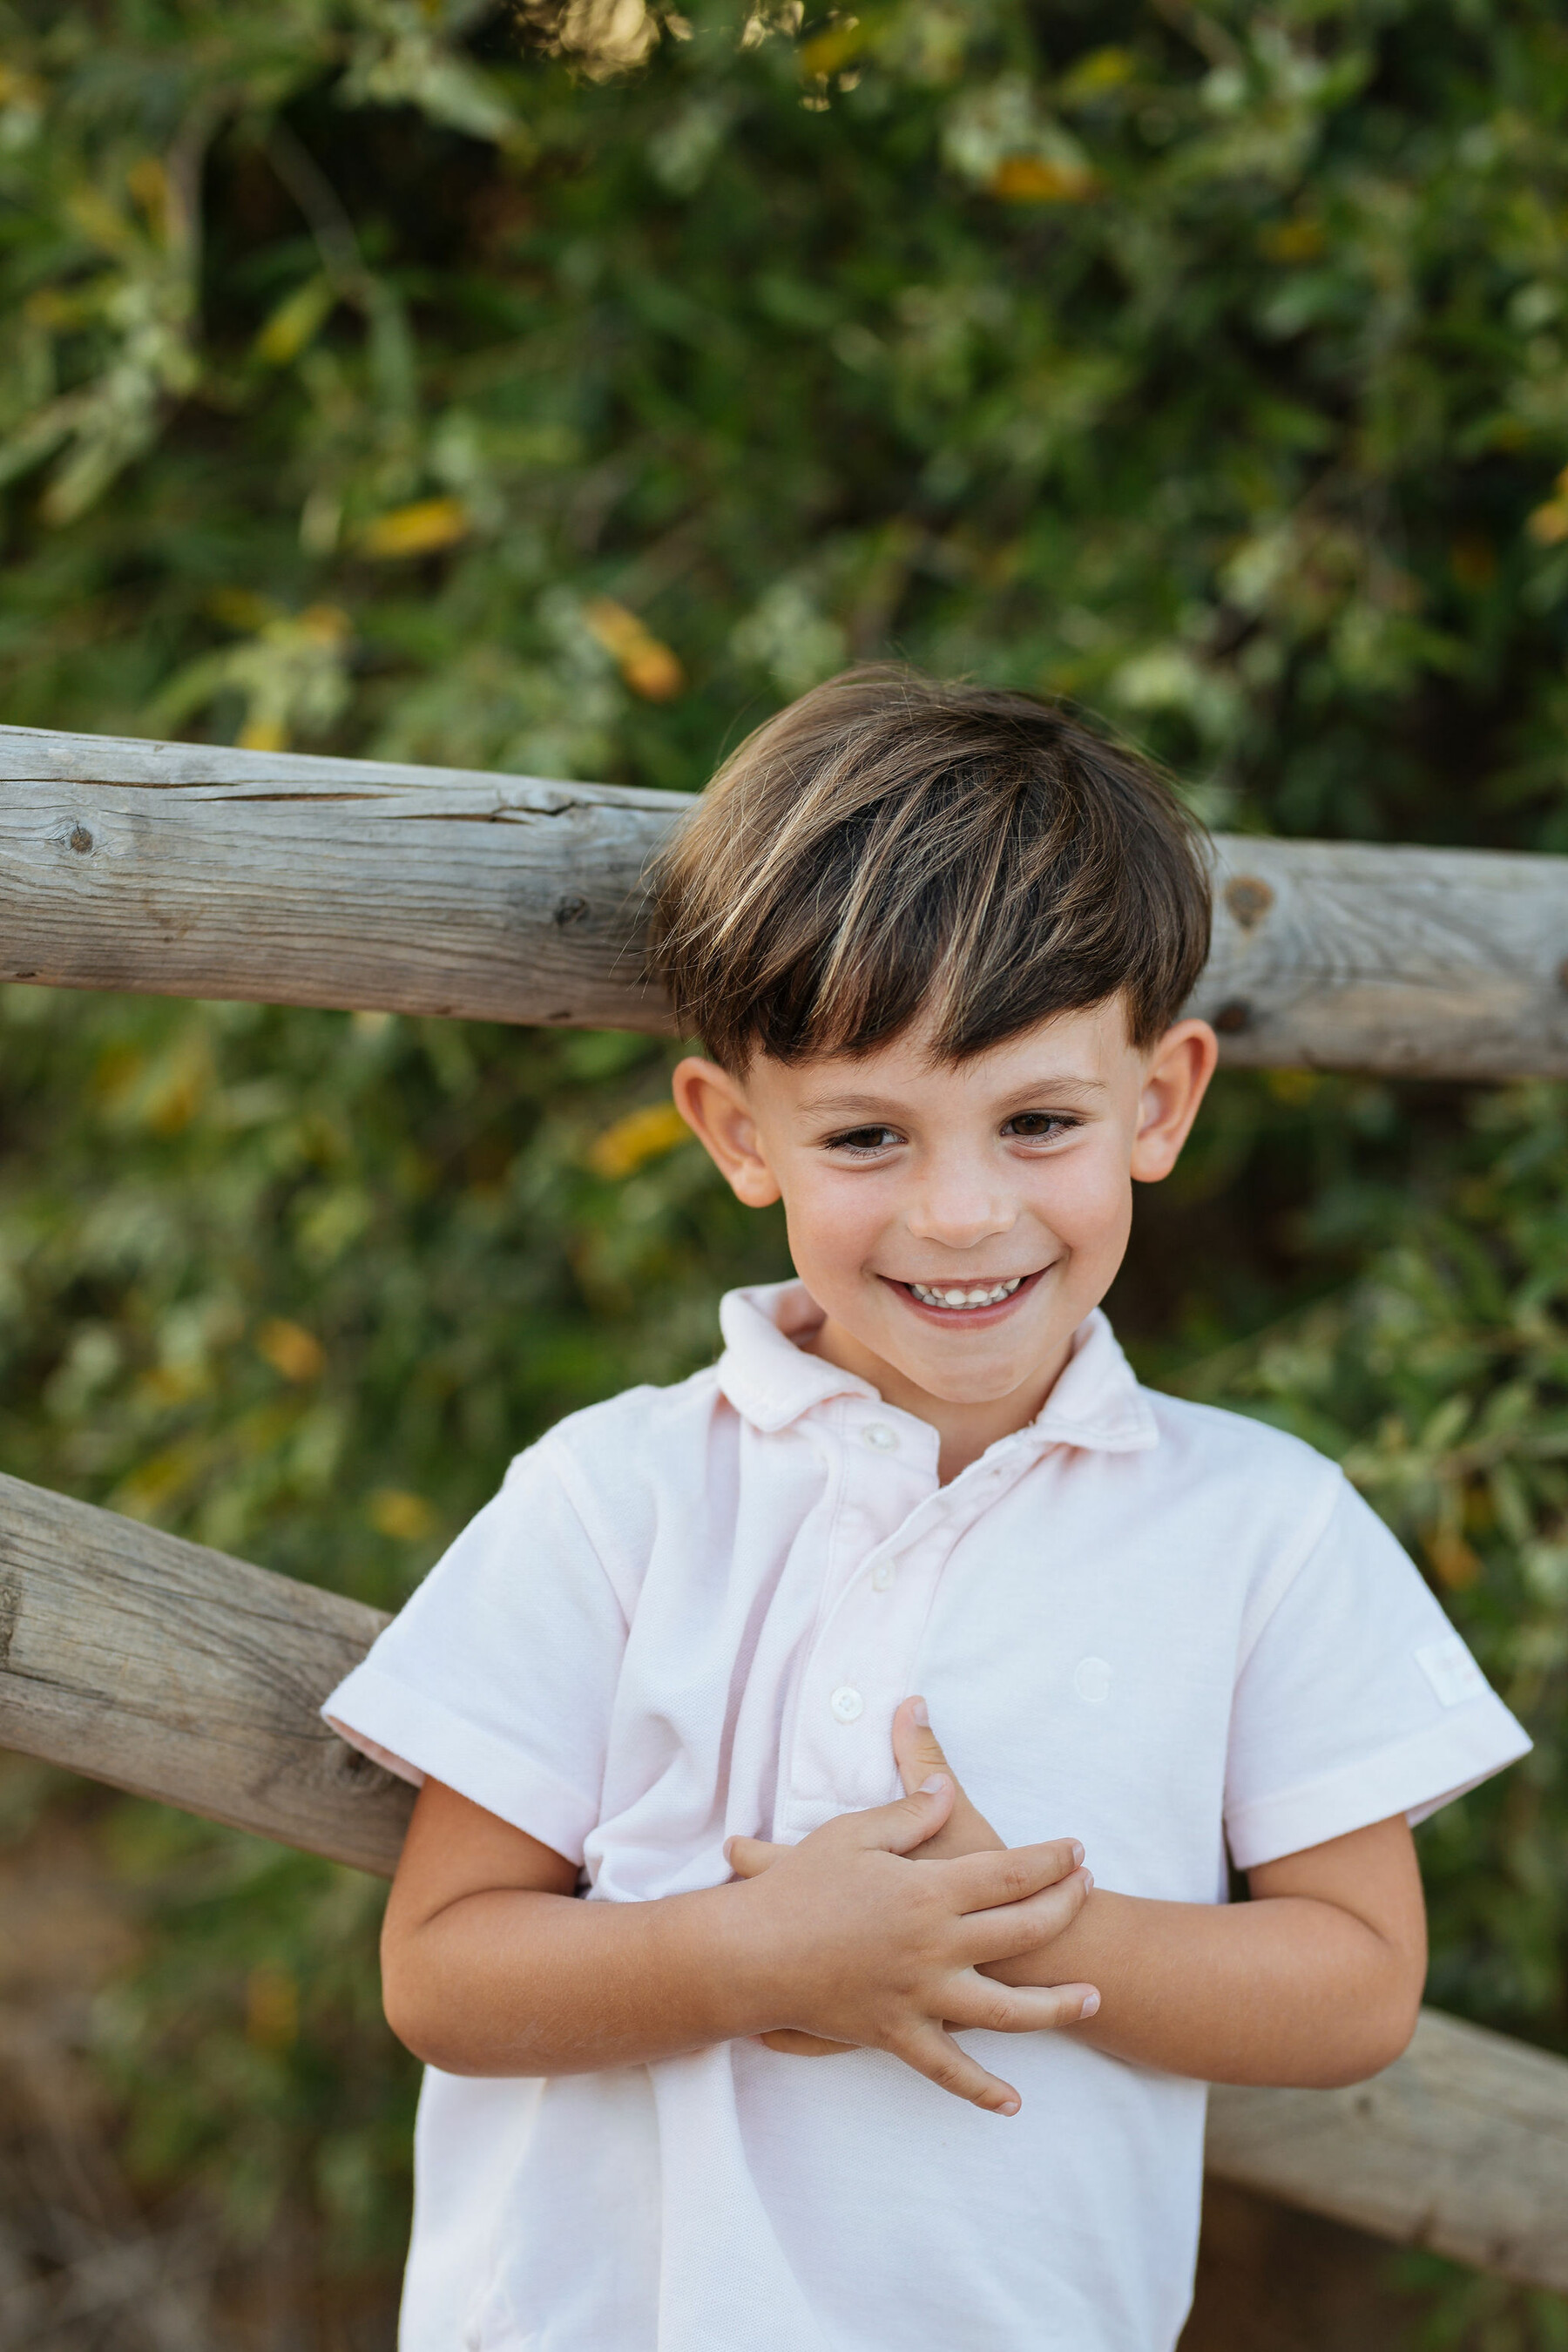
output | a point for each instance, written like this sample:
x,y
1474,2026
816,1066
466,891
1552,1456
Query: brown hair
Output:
x,y
891,847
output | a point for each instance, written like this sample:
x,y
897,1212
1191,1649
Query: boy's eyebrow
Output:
x,y
1058,1084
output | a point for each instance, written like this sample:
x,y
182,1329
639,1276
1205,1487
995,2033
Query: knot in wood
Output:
x,y
570,910
1232,1017
1249,900
81,840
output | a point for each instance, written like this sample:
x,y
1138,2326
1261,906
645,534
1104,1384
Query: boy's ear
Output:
x,y
1174,1083
715,1108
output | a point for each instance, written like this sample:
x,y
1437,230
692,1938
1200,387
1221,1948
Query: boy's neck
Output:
x,y
964,1429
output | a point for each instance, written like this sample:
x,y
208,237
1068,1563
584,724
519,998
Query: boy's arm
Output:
x,y
1316,1981
490,1965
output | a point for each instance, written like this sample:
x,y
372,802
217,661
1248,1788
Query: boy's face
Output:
x,y
957,1222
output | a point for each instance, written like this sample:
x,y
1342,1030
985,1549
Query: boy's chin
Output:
x,y
975,1384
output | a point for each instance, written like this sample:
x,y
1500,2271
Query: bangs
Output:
x,y
890,850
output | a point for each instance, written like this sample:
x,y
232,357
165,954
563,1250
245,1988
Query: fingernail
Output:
x,y
1009,2106
922,1714
1076,1851
934,1786
1090,2003
1088,1880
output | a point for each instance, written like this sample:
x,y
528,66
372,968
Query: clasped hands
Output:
x,y
870,1953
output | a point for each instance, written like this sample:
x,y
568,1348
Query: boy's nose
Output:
x,y
959,1212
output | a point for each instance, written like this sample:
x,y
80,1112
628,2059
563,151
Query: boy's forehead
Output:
x,y
1083,1051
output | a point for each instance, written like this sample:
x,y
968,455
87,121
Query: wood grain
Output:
x,y
1460,2146
182,1674
178,1673
188,870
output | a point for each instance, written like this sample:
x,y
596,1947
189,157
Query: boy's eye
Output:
x,y
1038,1125
864,1139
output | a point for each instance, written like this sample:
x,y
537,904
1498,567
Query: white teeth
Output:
x,y
991,1297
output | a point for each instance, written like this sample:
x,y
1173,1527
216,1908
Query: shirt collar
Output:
x,y
1096,1403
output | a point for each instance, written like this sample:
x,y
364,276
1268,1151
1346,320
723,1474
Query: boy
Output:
x,y
936,940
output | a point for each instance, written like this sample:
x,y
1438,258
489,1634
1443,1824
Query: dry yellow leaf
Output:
x,y
149,184
395,1512
421,529
1456,1562
1038,179
647,664
291,1350
641,1136
826,52
1549,524
263,735
294,323
271,2009
1293,240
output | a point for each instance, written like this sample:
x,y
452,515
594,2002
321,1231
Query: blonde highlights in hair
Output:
x,y
892,848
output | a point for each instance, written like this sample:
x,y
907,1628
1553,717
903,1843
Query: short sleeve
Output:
x,y
1355,1700
498,1675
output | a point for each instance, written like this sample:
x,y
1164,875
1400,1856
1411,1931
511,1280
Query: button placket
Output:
x,y
840,1756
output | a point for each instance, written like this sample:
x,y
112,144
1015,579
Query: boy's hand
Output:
x,y
919,1756
964,1830
873,1954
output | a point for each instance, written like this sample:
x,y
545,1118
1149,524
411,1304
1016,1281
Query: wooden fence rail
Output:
x,y
193,871
184,1674
181,1674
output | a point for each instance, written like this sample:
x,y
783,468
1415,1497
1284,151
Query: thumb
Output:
x,y
910,1821
917,1751
749,1857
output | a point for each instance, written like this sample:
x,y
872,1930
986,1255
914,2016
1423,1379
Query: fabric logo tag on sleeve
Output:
x,y
1451,1671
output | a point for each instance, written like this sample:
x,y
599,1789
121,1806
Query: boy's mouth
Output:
x,y
968,1302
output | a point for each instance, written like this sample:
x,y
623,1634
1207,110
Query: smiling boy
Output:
x,y
936,940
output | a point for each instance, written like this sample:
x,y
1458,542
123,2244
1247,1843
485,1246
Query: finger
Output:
x,y
749,1857
917,1751
918,1754
979,1882
795,2044
936,2055
1002,1933
979,2001
899,1827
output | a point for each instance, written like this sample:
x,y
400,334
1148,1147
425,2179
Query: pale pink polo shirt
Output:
x,y
691,1611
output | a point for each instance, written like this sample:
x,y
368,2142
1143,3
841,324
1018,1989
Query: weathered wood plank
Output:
x,y
188,870
1461,2146
1418,962
178,1673
191,872
184,1674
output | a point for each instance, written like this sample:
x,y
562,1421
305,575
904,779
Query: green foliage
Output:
x,y
561,388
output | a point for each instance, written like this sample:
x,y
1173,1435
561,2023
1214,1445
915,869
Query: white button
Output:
x,y
847,1704
876,1433
882,1575
1091,1680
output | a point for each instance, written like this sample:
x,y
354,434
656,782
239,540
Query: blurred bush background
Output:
x,y
560,387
